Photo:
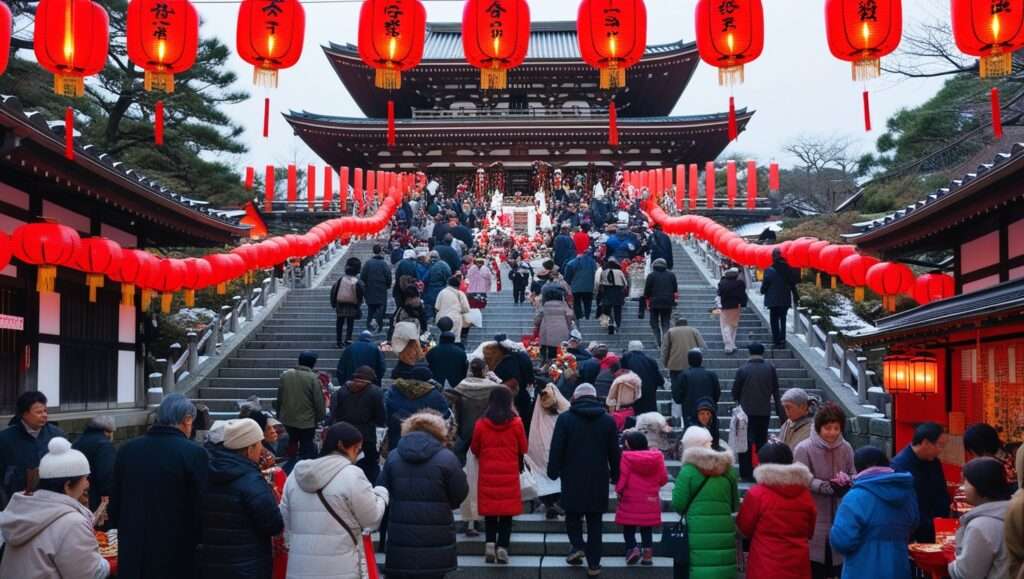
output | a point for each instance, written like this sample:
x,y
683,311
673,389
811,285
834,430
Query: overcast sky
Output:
x,y
796,86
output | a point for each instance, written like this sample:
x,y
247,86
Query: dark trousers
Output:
x,y
498,530
660,322
548,352
370,463
583,303
615,313
343,330
593,545
826,570
646,536
302,440
778,323
375,313
757,436
518,294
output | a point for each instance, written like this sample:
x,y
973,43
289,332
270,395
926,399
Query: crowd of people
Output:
x,y
299,491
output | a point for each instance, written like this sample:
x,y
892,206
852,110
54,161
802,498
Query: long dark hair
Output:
x,y
499,406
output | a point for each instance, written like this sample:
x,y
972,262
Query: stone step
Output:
x,y
553,566
259,360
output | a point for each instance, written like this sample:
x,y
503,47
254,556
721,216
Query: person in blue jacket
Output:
x,y
564,247
408,396
876,519
579,273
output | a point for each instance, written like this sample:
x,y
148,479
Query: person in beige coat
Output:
x,y
49,534
1013,524
452,303
677,343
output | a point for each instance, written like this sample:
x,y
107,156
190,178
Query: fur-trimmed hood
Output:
x,y
708,461
788,480
428,422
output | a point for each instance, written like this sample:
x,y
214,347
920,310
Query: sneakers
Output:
x,y
502,556
648,559
633,556
593,571
489,553
575,557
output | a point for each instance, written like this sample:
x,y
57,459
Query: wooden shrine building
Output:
x,y
975,339
553,111
86,357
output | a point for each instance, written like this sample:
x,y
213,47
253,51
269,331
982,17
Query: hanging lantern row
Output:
x,y
49,245
887,279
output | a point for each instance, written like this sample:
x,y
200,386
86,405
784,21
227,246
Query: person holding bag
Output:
x,y
499,444
706,494
324,494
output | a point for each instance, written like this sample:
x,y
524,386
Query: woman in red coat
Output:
x,y
499,443
778,516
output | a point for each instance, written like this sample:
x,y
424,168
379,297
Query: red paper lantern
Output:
x,y
730,34
46,245
798,254
896,374
168,278
391,35
495,37
612,36
6,22
97,257
136,268
163,36
269,36
831,256
197,276
5,250
224,267
814,253
250,254
71,40
932,287
853,270
888,280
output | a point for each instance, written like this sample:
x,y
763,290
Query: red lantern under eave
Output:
x,y
5,35
163,36
730,33
98,257
70,40
495,37
137,267
932,287
889,279
46,245
391,36
612,37
269,36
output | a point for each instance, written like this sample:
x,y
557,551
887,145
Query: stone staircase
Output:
x,y
306,322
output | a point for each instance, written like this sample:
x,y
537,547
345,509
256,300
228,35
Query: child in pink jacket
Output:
x,y
642,473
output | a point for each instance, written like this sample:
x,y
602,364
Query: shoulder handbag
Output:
x,y
364,548
675,537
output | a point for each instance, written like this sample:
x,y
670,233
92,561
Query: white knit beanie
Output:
x,y
696,436
62,461
241,433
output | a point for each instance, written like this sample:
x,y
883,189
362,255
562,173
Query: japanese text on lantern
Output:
x,y
1000,6
867,10
162,13
726,8
272,10
495,10
393,24
612,22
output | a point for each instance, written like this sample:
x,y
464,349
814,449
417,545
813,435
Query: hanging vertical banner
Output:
x,y
268,182
731,184
694,185
751,185
250,178
343,190
774,184
659,184
311,187
357,191
370,190
709,183
293,185
328,187
667,171
680,187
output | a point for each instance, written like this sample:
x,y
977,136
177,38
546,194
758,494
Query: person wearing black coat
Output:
x,y
376,278
651,378
405,267
362,352
732,295
693,384
661,246
448,362
660,292
779,289
463,234
515,370
240,513
159,481
564,248
426,483
360,402
20,451
590,368
585,457
95,443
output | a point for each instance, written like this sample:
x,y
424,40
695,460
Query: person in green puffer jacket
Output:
x,y
708,512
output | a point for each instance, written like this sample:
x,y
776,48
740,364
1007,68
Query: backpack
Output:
x,y
347,290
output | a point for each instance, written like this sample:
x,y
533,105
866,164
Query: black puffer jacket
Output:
x,y
239,517
732,291
660,288
426,483
101,454
376,278
779,286
585,455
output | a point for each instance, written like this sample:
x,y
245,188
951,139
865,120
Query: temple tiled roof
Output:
x,y
548,41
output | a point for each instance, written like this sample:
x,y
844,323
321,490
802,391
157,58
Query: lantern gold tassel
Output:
x,y
493,78
165,302
864,70
222,288
264,77
94,281
127,294
147,299
889,302
68,86
155,80
46,279
388,78
996,64
613,77
858,294
190,298
730,75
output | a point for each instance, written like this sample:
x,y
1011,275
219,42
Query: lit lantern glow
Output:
x,y
391,36
71,41
163,36
495,38
990,30
612,37
924,374
729,35
896,374
269,36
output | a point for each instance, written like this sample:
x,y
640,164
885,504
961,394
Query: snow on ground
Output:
x,y
847,320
